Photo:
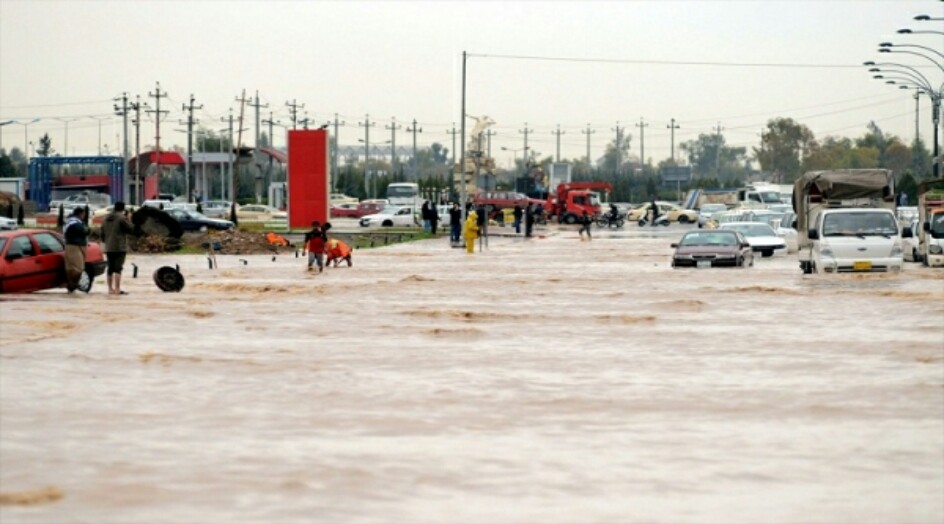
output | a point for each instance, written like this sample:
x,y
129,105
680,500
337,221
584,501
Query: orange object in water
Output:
x,y
338,249
276,240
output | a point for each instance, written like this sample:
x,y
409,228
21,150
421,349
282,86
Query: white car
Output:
x,y
260,213
786,231
216,208
909,244
7,224
759,235
157,203
401,216
705,212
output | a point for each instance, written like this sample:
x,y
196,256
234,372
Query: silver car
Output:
x,y
705,212
7,224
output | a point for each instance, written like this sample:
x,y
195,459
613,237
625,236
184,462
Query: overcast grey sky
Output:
x,y
401,59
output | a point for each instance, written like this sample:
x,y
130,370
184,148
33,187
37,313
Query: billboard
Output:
x,y
309,179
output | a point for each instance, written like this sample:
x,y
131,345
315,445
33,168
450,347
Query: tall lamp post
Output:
x,y
8,122
26,136
516,151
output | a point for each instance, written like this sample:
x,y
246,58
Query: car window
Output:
x,y
21,246
3,242
48,243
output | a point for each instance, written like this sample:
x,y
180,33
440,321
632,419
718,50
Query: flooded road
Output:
x,y
545,380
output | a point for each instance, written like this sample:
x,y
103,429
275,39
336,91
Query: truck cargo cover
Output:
x,y
845,184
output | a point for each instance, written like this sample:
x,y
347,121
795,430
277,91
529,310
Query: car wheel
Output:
x,y
570,219
767,253
683,219
620,222
387,223
642,222
665,223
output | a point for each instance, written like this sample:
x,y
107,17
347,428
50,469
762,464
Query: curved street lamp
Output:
x,y
919,79
922,32
926,48
926,57
925,18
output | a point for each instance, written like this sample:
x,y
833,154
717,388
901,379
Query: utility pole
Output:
x,y
257,105
672,127
413,130
272,123
525,132
136,198
917,108
157,96
588,132
123,113
393,142
367,124
234,187
452,170
229,156
718,151
334,153
488,138
558,133
304,122
293,108
65,142
189,167
619,150
642,141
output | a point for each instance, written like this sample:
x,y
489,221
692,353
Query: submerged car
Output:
x,y
34,259
193,221
762,238
403,216
716,248
707,210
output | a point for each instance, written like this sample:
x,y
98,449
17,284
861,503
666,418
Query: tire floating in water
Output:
x,y
168,279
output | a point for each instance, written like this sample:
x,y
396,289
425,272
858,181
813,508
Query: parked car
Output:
x,y
34,259
705,212
103,212
193,221
91,199
260,213
157,203
216,208
391,216
762,238
714,248
7,224
341,198
787,232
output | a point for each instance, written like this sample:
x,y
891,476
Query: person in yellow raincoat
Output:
x,y
471,231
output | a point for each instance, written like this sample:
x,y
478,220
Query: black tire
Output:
x,y
683,219
387,223
665,224
620,222
642,222
570,219
806,267
767,253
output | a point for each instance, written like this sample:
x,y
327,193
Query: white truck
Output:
x,y
931,223
846,221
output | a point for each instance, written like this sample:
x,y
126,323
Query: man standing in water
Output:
x,y
455,222
315,243
585,222
76,234
115,231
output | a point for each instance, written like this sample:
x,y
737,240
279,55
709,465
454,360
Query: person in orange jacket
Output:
x,y
338,251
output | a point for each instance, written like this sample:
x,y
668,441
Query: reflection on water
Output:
x,y
549,380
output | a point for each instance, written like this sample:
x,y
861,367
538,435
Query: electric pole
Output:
x,y
525,132
157,96
558,133
393,142
257,105
413,130
718,151
672,127
189,167
367,124
488,140
272,123
229,156
293,108
304,122
334,153
452,178
234,187
642,141
588,132
136,198
123,113
619,150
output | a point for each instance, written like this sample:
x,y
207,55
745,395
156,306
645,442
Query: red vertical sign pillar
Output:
x,y
308,177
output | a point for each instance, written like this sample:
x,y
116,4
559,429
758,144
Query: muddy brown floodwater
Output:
x,y
540,381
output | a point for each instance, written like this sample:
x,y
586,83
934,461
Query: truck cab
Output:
x,y
930,225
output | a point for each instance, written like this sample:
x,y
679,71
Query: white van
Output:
x,y
856,239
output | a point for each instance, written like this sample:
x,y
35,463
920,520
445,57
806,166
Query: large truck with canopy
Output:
x,y
931,222
846,221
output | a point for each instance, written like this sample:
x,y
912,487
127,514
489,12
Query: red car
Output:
x,y
358,210
34,259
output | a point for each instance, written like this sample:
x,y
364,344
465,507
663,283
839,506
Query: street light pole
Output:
x,y
367,124
672,127
8,122
26,136
65,139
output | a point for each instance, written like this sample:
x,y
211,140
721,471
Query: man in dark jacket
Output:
x,y
528,220
518,214
115,231
76,234
433,218
455,222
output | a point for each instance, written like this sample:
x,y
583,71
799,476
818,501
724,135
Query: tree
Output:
x,y
920,159
783,147
45,146
7,169
708,154
908,185
609,163
897,157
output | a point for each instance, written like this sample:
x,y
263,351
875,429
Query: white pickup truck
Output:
x,y
846,221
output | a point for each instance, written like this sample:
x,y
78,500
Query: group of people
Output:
x,y
430,216
324,250
115,231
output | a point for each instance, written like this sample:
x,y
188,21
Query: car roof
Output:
x,y
4,234
735,224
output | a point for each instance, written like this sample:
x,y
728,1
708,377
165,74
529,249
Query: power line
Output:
x,y
663,62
